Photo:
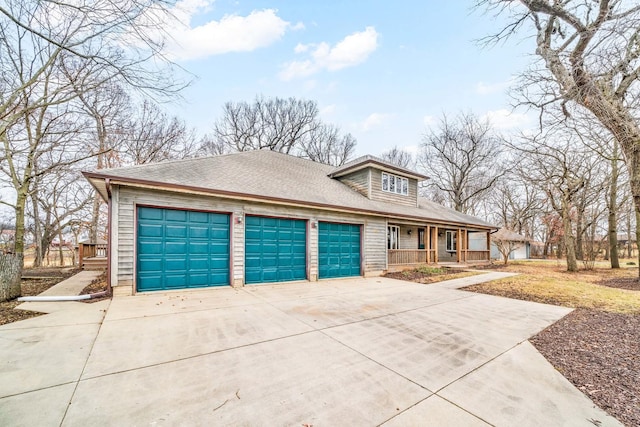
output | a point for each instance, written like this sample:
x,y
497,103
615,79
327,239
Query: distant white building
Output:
x,y
520,245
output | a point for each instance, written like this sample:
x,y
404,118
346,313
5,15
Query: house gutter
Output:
x,y
52,298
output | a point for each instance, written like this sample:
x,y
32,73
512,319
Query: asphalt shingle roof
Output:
x,y
506,234
268,174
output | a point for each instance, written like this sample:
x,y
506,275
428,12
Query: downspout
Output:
x,y
107,182
49,298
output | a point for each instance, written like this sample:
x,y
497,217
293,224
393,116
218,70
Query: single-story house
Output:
x,y
519,246
262,216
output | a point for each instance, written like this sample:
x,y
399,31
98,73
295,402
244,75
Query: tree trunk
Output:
x,y
638,237
10,273
61,247
579,241
612,206
629,254
38,255
569,243
95,218
21,201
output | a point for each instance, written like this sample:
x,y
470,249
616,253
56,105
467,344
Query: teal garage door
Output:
x,y
179,249
338,250
275,249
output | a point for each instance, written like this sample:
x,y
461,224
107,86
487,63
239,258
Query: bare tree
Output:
x,y
152,136
462,157
558,165
38,136
326,145
517,205
288,125
52,51
506,246
399,157
590,57
107,107
210,146
59,200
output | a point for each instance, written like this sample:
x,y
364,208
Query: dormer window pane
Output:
x,y
395,184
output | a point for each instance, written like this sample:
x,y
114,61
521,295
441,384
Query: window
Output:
x,y
395,184
393,237
451,241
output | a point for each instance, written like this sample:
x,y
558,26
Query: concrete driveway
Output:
x,y
343,352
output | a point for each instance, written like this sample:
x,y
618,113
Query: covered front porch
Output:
x,y
415,244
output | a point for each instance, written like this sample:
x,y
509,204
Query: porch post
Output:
x,y
488,246
458,244
427,243
80,254
466,245
435,246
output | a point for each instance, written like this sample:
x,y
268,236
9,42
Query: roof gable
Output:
x,y
375,162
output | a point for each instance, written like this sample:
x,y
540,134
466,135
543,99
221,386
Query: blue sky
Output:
x,y
380,70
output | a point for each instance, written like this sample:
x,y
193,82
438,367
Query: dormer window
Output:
x,y
395,184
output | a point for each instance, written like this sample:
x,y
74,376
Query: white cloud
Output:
x,y
352,50
328,110
301,48
483,88
412,149
429,121
504,119
232,33
375,120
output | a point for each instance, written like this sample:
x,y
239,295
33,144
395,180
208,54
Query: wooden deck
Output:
x,y
92,256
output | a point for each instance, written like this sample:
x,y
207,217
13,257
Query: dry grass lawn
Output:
x,y
549,282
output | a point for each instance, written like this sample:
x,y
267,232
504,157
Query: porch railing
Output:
x,y
91,250
409,256
422,256
478,255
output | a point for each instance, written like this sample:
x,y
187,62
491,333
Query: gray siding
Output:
x,y
385,196
406,241
358,180
477,241
375,246
123,259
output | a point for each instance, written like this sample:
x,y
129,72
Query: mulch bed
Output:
x,y
629,283
98,284
599,352
415,275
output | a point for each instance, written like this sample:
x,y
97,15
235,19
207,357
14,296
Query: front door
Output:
x,y
420,238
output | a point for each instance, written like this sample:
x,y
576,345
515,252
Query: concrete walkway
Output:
x,y
68,287
73,285
357,351
474,280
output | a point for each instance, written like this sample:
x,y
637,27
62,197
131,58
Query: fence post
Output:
x,y
10,272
